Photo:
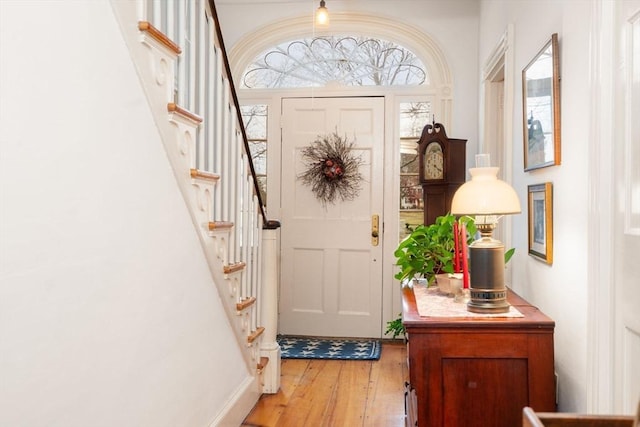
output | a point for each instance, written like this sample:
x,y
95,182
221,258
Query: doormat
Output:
x,y
295,347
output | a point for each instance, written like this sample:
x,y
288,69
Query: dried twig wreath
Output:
x,y
333,170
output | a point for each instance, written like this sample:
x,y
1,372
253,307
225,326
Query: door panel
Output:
x,y
331,273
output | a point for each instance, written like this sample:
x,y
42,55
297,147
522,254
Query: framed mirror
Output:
x,y
541,108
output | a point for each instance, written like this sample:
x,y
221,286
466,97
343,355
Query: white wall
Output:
x,y
108,316
559,290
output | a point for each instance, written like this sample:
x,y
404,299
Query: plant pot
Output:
x,y
449,284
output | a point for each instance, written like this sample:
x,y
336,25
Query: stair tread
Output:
x,y
172,107
159,36
264,361
232,268
197,173
254,336
247,302
219,225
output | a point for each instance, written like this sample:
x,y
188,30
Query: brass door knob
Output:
x,y
375,227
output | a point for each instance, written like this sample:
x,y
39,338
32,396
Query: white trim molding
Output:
x,y
600,279
631,134
498,71
410,37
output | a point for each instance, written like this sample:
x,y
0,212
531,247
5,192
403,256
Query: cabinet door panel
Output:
x,y
484,392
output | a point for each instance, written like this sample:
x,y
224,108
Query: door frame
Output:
x,y
600,315
393,96
605,347
439,90
375,142
497,99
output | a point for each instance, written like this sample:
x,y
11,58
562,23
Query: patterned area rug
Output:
x,y
329,348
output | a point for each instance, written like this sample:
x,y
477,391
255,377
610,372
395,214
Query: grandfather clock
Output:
x,y
442,169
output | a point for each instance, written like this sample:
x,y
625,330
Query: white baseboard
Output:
x,y
239,405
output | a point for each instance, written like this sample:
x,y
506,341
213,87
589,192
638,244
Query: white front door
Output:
x,y
331,282
626,145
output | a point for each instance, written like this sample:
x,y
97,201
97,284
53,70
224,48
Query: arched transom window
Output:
x,y
342,60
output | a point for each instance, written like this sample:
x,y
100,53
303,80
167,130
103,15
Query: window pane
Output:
x,y
255,123
343,60
413,118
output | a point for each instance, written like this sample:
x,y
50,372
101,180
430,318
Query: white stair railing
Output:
x,y
189,72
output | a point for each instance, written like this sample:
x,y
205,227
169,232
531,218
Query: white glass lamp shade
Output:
x,y
485,194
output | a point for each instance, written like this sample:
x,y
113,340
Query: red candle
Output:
x,y
465,261
456,253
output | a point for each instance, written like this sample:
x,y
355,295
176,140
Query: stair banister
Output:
x,y
209,152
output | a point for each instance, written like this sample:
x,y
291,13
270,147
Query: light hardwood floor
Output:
x,y
337,393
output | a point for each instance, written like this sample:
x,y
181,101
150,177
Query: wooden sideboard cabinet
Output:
x,y
478,372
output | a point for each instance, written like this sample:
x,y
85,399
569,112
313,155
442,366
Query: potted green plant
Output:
x,y
428,251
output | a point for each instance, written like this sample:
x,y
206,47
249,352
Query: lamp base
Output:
x,y
488,301
488,293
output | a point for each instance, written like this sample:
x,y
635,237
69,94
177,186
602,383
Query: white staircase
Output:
x,y
193,103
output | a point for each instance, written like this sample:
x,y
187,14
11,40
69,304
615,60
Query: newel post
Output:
x,y
269,297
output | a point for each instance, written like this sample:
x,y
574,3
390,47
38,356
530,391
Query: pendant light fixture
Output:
x,y
322,15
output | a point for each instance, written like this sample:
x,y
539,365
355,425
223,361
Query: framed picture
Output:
x,y
541,221
541,108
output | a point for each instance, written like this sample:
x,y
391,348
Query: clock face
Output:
x,y
433,162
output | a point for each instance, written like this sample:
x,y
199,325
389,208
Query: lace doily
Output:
x,y
432,303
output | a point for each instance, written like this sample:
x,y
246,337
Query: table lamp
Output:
x,y
486,198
